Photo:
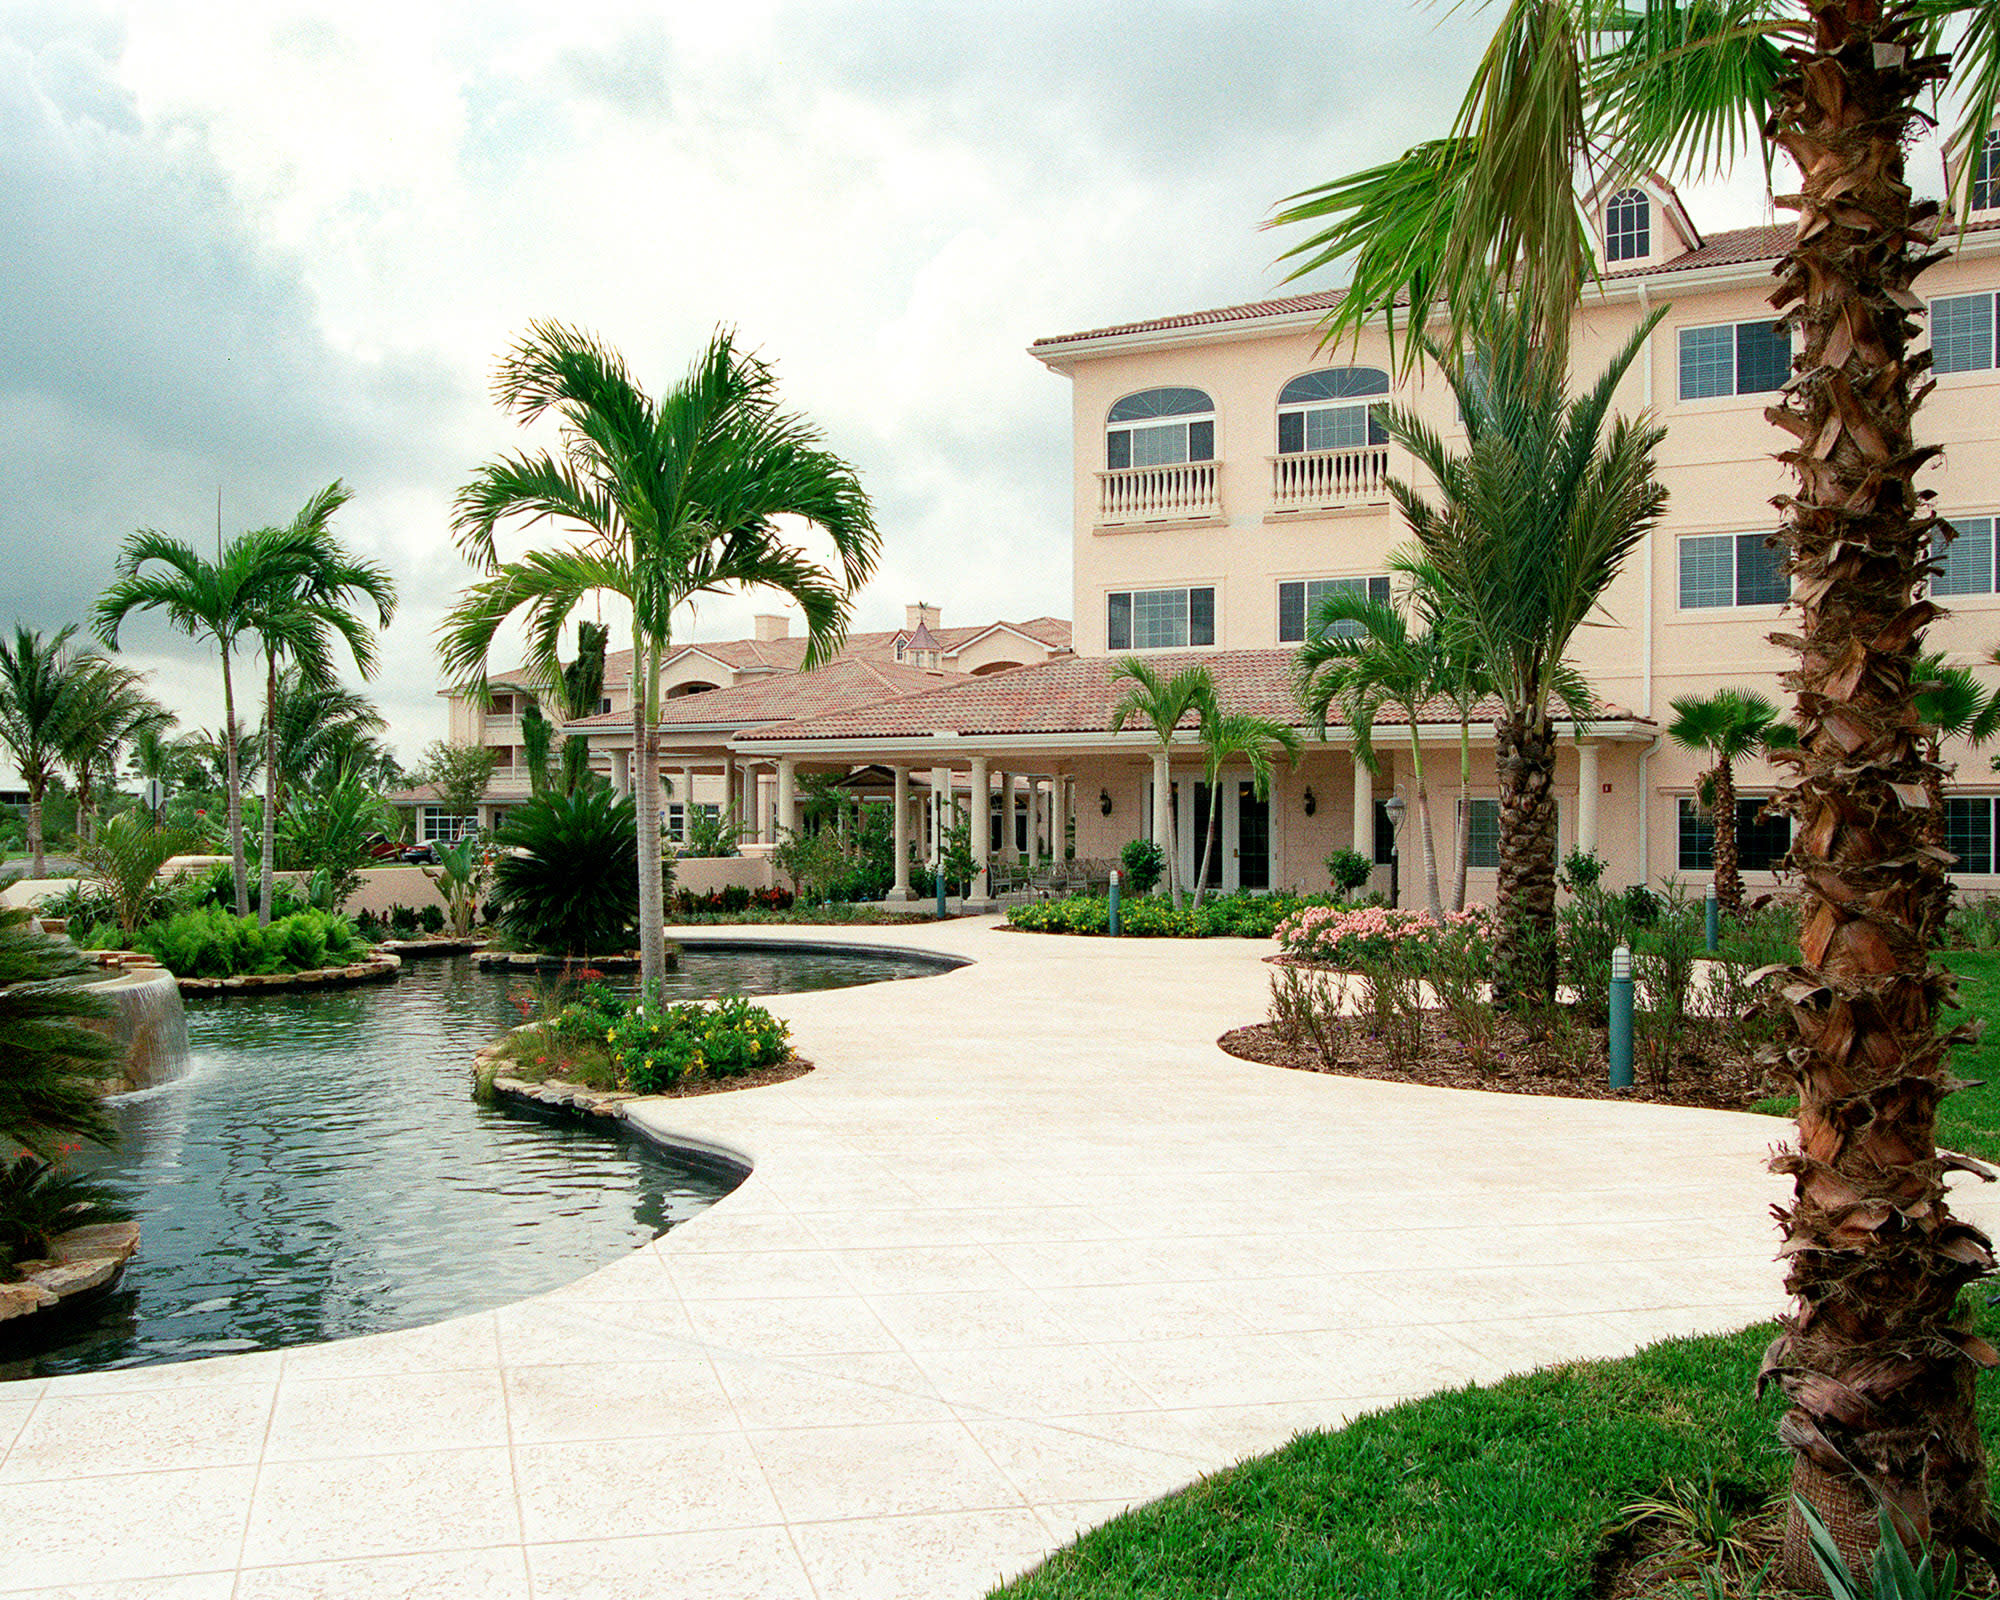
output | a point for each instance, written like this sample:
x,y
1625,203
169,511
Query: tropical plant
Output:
x,y
461,877
325,831
457,774
111,708
40,1201
1144,862
325,730
1162,704
538,742
209,942
1362,656
159,757
1726,726
711,833
50,1060
124,860
567,878
41,689
1228,737
674,498
1878,1378
219,600
1953,704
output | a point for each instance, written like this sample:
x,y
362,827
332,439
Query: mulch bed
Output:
x,y
783,1072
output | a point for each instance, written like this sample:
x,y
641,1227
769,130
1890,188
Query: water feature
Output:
x,y
323,1172
147,1017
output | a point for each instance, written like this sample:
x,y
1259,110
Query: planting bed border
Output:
x,y
87,1265
381,967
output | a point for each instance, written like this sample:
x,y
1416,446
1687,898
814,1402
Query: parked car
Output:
x,y
382,848
420,855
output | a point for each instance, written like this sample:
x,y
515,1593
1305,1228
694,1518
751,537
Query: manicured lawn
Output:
x,y
1502,1492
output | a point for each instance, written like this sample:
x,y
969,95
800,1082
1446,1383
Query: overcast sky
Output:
x,y
255,247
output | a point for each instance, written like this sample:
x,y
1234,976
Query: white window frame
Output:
x,y
1186,593
1364,408
1735,391
438,826
1735,603
1966,573
1627,230
1985,195
1316,589
1165,425
1992,332
1987,802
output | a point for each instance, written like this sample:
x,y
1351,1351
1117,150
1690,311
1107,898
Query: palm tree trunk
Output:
x,y
37,854
1425,836
1208,838
646,801
1524,955
1462,834
1173,840
1879,1374
233,781
1728,872
270,840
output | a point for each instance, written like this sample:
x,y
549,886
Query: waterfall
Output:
x,y
147,1018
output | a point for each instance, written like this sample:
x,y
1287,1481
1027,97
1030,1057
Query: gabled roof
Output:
x,y
784,697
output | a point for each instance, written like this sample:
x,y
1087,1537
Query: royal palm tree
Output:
x,y
674,498
41,700
1163,704
1726,726
206,599
1361,656
1879,1379
1227,737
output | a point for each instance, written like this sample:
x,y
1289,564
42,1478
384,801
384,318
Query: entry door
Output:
x,y
1253,839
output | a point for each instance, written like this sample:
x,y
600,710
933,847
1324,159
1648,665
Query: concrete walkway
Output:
x,y
1026,1249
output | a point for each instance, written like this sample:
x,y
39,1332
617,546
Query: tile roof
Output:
x,y
787,696
1073,694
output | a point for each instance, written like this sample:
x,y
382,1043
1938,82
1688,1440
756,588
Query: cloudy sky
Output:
x,y
250,248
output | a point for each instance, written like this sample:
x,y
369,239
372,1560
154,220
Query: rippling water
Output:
x,y
323,1172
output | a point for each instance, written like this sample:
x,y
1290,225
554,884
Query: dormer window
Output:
x,y
1628,226
1332,410
1986,175
1160,428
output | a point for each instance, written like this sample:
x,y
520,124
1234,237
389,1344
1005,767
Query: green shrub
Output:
x,y
1237,916
210,943
663,1046
1348,870
1144,863
403,921
431,919
39,1200
568,880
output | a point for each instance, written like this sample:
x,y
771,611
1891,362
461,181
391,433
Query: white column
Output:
x,y
1034,823
621,771
1008,850
730,799
1364,809
902,809
1059,819
788,809
940,813
1588,786
980,810
687,801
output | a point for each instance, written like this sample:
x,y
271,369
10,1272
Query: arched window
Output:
x,y
1160,428
1986,174
1332,410
1628,226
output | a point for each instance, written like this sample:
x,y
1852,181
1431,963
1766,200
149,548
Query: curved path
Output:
x,y
1024,1250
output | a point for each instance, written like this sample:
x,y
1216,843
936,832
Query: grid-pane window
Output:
x,y
1160,428
1299,600
1962,333
441,827
1968,559
1482,833
1968,833
1628,226
1761,841
1986,175
1159,619
1734,358
1730,569
1310,419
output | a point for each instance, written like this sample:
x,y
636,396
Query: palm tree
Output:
x,y
1163,704
1878,1378
1371,663
299,614
1532,524
41,700
1725,726
675,498
206,599
1228,736
323,729
113,709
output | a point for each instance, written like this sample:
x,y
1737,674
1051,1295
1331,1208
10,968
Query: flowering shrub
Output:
x,y
660,1047
1369,935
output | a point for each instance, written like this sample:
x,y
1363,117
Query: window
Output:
x,y
1311,415
676,821
1761,841
1986,174
1140,434
604,705
1731,569
1968,832
440,827
1482,833
1159,619
1628,226
1385,835
1968,559
1962,333
1298,601
1734,358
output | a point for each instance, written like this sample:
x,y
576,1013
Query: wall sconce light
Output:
x,y
1104,801
1312,804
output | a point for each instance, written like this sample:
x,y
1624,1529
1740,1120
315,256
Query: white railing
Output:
x,y
1316,479
1158,494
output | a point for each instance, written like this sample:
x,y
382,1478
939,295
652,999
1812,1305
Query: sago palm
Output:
x,y
1226,738
1879,1375
672,498
1162,703
1725,727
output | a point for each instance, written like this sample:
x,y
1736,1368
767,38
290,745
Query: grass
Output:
x,y
1499,1492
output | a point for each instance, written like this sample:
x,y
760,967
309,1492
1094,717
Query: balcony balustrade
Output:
x,y
1184,492
1319,480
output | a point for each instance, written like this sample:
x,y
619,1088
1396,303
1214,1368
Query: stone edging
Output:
x,y
442,945
87,1261
378,968
528,961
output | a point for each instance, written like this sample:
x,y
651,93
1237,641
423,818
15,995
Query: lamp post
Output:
x,y
1394,807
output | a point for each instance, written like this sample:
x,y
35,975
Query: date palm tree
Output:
x,y
1227,737
1362,656
673,498
1879,1377
1725,726
1163,704
42,698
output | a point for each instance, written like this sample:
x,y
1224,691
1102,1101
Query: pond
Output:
x,y
322,1170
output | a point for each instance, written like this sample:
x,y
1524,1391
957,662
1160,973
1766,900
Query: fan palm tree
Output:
x,y
299,614
1163,704
1725,726
41,699
674,498
1879,1379
1361,656
1227,737
206,599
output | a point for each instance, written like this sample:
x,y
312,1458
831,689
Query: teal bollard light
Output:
x,y
1114,902
1714,909
1621,1017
